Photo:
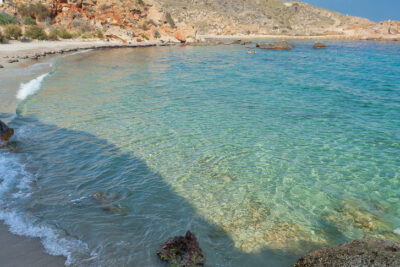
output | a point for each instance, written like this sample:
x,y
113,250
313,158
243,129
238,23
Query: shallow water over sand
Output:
x,y
264,157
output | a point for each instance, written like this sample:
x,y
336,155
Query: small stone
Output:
x,y
13,61
1,66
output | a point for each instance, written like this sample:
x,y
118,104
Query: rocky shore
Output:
x,y
369,252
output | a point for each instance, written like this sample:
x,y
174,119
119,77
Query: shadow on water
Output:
x,y
110,199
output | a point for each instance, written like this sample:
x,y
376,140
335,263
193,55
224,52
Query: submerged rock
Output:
x,y
320,45
5,132
370,252
281,45
182,251
107,204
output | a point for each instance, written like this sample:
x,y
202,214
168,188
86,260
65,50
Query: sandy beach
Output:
x,y
24,251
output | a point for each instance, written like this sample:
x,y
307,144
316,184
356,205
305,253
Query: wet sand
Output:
x,y
24,251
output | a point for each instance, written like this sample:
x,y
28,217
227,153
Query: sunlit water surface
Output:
x,y
264,156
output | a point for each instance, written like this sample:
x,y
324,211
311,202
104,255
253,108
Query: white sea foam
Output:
x,y
31,87
15,184
397,231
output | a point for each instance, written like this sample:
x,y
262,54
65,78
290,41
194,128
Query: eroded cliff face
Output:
x,y
189,19
120,19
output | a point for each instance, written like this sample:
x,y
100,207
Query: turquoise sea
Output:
x,y
264,157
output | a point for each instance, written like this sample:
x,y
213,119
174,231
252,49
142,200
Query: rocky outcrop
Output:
x,y
370,252
320,45
182,251
281,45
5,132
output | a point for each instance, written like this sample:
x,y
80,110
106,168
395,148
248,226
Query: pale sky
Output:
x,y
376,10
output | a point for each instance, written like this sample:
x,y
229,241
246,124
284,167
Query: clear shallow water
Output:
x,y
265,157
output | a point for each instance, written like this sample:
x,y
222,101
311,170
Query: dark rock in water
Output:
x,y
320,45
5,132
245,42
182,251
237,42
369,252
13,60
1,66
107,205
281,45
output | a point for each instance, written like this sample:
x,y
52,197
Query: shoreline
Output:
x,y
22,52
20,250
15,246
17,58
384,38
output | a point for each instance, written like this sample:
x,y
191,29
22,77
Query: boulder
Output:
x,y
180,36
5,132
182,251
280,45
320,45
1,66
369,252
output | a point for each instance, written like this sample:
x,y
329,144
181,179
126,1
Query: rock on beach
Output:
x,y
182,251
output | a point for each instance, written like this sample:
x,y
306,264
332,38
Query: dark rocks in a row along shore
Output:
x,y
369,252
5,132
182,251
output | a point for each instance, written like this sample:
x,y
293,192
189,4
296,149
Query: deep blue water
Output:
x,y
263,156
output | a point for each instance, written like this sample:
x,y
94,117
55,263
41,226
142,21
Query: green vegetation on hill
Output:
x,y
35,32
2,38
6,19
38,10
13,32
29,21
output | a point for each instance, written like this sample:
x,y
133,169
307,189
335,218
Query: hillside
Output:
x,y
189,19
257,17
